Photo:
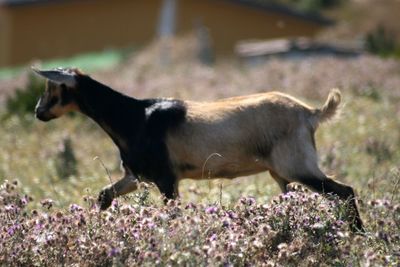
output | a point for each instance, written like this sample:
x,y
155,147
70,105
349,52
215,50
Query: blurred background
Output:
x,y
200,50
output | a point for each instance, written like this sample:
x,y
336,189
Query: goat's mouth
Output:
x,y
44,116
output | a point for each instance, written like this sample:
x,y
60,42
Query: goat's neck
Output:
x,y
119,115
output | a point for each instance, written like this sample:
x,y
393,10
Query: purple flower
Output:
x,y
10,208
115,203
38,224
213,237
24,201
248,201
232,215
151,225
11,230
225,223
74,208
114,252
211,210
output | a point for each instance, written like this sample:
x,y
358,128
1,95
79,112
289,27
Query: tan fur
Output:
x,y
330,109
233,128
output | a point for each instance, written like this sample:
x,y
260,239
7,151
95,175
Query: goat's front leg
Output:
x,y
168,186
124,186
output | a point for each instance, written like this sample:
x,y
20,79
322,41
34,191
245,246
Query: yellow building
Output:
x,y
43,29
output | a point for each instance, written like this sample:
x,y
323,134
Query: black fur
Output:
x,y
52,102
66,96
327,186
139,124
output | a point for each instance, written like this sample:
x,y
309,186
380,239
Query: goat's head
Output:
x,y
59,96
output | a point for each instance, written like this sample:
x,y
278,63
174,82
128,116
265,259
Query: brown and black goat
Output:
x,y
165,140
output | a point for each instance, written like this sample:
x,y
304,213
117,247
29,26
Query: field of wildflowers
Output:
x,y
47,220
299,228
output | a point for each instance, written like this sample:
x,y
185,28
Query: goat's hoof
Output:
x,y
104,199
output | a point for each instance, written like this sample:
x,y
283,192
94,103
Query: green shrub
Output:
x,y
314,5
24,100
382,42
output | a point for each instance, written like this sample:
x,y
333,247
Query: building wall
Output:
x,y
230,22
51,30
5,30
66,28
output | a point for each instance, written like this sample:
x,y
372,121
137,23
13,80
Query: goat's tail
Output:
x,y
330,108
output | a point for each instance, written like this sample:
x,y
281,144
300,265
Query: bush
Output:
x,y
24,100
314,5
381,42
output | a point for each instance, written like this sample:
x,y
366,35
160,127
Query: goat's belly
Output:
x,y
229,170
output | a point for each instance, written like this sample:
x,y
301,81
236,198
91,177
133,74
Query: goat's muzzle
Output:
x,y
43,114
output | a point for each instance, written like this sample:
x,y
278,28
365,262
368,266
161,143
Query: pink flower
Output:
x,y
211,209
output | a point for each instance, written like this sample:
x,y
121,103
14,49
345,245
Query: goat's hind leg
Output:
x,y
297,163
324,184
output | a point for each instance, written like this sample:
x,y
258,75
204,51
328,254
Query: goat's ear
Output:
x,y
59,76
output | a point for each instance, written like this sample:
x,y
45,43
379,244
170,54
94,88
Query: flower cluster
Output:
x,y
296,228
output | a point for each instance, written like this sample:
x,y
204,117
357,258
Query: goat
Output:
x,y
165,140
